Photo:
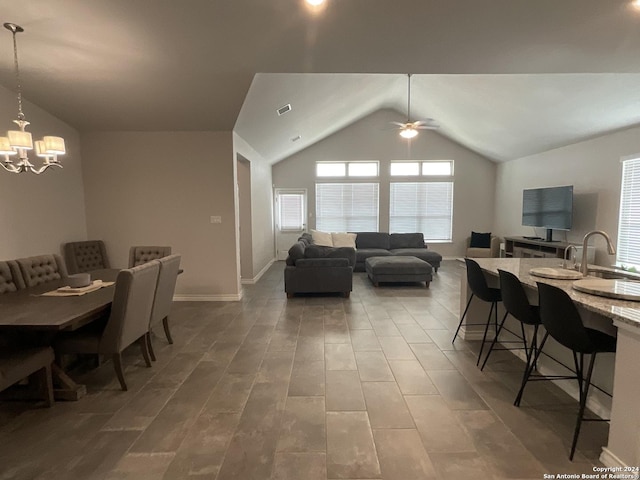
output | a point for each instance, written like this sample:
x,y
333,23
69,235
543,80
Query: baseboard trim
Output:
x,y
254,280
207,298
471,333
609,459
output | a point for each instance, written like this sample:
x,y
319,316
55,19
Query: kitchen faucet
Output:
x,y
575,253
612,251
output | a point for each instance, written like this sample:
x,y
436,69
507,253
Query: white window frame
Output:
x,y
628,251
344,219
422,166
421,222
347,169
302,193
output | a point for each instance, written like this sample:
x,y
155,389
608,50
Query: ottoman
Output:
x,y
398,269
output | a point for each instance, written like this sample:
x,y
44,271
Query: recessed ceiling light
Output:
x,y
636,4
315,3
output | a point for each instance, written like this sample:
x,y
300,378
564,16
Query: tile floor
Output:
x,y
310,388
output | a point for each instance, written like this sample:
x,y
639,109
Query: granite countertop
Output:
x,y
624,311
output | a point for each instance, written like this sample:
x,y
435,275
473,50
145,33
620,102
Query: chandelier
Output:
x,y
19,142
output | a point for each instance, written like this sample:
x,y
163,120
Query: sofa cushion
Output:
x,y
363,253
406,240
344,239
316,251
397,266
322,262
372,240
434,258
296,252
306,238
480,240
322,238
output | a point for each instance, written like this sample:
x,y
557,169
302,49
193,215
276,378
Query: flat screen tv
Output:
x,y
550,208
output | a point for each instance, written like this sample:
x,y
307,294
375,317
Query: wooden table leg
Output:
x,y
64,387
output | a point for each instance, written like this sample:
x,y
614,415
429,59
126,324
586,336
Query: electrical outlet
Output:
x,y
216,219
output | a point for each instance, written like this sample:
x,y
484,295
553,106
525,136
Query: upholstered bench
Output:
x,y
19,364
398,269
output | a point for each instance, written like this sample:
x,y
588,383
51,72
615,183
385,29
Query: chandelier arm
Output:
x,y
11,168
38,171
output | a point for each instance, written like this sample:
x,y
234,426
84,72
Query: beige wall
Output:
x,y
262,239
371,139
593,167
161,188
38,213
244,212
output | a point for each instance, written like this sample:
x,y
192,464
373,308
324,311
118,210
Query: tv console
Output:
x,y
530,248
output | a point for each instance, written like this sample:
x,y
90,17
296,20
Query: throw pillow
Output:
x,y
322,239
344,239
480,240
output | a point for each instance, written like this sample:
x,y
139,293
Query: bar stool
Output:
x,y
517,305
479,288
562,321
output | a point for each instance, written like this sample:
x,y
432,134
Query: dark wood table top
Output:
x,y
26,309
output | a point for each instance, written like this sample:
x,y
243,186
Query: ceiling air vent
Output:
x,y
284,109
296,138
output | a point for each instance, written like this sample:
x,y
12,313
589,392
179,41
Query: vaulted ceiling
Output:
x,y
487,70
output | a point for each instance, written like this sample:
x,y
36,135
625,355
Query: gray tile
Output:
x,y
430,357
396,348
385,328
365,341
303,425
501,450
343,391
373,367
297,466
402,455
459,466
141,410
411,378
202,451
350,449
141,466
230,394
386,406
414,334
248,358
456,391
179,368
307,379
336,334
439,428
339,356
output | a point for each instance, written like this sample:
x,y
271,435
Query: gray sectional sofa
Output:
x,y
380,244
315,269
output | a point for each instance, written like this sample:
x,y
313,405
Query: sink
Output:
x,y
555,273
619,289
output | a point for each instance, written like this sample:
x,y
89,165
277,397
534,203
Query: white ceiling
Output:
x,y
166,65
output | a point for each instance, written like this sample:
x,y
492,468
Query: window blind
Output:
x,y
425,207
629,222
347,207
291,211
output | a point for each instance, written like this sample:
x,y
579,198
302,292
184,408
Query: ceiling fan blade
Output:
x,y
428,127
399,124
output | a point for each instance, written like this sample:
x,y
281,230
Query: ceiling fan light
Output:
x,y
408,132
20,139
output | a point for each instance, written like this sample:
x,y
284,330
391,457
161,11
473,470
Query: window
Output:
x,y
439,168
629,222
346,169
347,207
444,168
405,169
425,207
291,210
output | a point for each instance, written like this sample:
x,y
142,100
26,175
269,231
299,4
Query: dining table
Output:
x,y
28,315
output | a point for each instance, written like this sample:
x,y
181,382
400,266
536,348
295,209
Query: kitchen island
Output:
x,y
619,374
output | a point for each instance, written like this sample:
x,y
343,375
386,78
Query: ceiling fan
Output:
x,y
410,129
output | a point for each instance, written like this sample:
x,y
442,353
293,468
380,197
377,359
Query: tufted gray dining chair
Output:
x,y
85,256
142,254
10,277
128,321
41,269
